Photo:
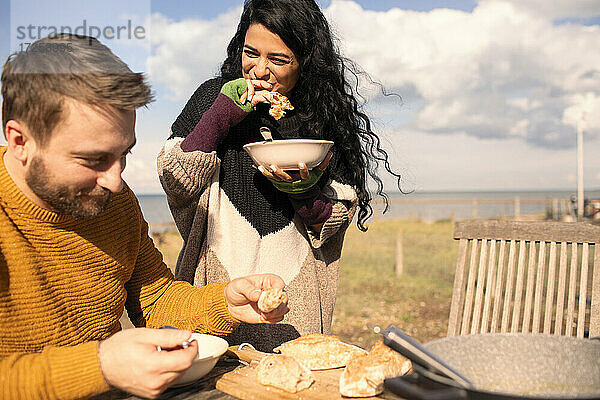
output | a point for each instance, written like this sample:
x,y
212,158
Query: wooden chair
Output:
x,y
515,276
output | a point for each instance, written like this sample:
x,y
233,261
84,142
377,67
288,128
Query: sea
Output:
x,y
426,206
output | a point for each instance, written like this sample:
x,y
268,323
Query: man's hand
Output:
x,y
131,361
242,296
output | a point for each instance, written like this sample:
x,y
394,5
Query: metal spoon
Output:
x,y
184,345
266,134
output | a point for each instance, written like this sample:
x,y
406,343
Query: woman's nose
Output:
x,y
261,69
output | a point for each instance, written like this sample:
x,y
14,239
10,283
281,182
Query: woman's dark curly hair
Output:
x,y
323,92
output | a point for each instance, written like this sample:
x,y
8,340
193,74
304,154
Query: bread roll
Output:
x,y
279,104
364,374
270,299
317,351
283,372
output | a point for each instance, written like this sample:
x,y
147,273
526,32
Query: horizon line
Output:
x,y
574,190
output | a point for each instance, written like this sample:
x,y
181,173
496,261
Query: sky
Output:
x,y
490,93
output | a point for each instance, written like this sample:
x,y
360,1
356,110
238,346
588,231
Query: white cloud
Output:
x,y
502,70
188,52
503,85
585,109
558,9
456,162
140,172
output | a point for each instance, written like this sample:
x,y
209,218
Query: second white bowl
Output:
x,y
210,348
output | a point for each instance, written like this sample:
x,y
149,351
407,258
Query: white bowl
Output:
x,y
210,348
288,153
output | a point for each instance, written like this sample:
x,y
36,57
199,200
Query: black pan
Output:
x,y
508,366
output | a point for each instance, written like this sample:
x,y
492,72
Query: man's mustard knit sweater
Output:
x,y
64,283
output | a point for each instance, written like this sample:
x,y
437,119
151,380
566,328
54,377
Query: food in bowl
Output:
x,y
210,348
287,153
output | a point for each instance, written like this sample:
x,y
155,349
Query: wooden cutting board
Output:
x,y
242,383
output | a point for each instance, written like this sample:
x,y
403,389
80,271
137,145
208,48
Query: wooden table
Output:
x,y
234,378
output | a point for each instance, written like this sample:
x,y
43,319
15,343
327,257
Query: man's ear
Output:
x,y
20,142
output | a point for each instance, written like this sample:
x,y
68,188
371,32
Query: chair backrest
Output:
x,y
516,276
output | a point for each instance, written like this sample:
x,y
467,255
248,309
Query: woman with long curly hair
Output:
x,y
237,218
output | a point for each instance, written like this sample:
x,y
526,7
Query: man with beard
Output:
x,y
74,247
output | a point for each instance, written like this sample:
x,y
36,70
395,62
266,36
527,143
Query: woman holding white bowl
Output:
x,y
237,218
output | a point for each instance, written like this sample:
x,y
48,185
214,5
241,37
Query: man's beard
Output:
x,y
79,203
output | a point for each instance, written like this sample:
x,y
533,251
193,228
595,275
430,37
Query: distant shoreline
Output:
x,y
426,206
595,191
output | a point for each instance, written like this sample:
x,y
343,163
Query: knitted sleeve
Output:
x,y
185,178
196,106
343,206
71,372
182,175
312,206
186,167
155,299
227,111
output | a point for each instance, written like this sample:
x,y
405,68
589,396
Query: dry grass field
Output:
x,y
370,294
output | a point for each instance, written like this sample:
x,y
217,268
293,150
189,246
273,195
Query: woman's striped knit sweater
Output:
x,y
235,223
